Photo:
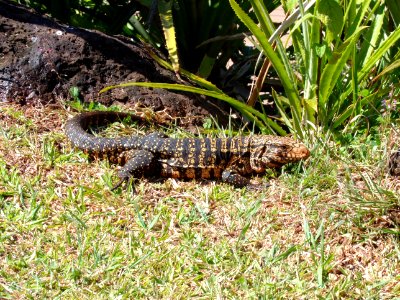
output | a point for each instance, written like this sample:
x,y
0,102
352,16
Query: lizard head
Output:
x,y
273,152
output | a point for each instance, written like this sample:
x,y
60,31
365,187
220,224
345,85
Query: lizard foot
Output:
x,y
129,182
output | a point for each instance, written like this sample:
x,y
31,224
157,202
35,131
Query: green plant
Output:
x,y
341,68
102,15
333,40
203,34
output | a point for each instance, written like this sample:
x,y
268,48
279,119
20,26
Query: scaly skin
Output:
x,y
231,159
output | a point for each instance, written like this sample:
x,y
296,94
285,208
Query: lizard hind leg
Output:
x,y
139,163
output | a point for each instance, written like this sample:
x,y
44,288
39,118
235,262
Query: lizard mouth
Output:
x,y
296,154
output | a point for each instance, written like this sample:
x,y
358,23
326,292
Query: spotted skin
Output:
x,y
231,159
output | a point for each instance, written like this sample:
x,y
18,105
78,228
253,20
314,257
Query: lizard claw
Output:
x,y
129,181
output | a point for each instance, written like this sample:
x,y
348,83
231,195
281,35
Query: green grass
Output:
x,y
325,229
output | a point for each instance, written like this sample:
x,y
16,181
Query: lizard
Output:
x,y
232,159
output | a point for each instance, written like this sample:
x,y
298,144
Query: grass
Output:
x,y
325,229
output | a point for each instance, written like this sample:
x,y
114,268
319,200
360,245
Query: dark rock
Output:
x,y
41,59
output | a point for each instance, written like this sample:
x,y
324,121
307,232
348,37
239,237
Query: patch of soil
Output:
x,y
41,59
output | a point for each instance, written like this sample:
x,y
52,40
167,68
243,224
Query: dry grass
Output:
x,y
325,229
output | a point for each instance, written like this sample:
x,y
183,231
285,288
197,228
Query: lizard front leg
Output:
x,y
236,168
232,176
139,163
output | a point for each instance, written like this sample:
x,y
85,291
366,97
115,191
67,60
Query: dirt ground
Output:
x,y
41,59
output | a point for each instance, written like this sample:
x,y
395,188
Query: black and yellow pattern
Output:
x,y
231,159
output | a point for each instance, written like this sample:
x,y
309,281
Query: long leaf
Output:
x,y
280,101
372,35
394,8
194,78
356,20
248,111
290,20
333,70
311,62
351,108
289,86
167,21
269,29
378,54
388,69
